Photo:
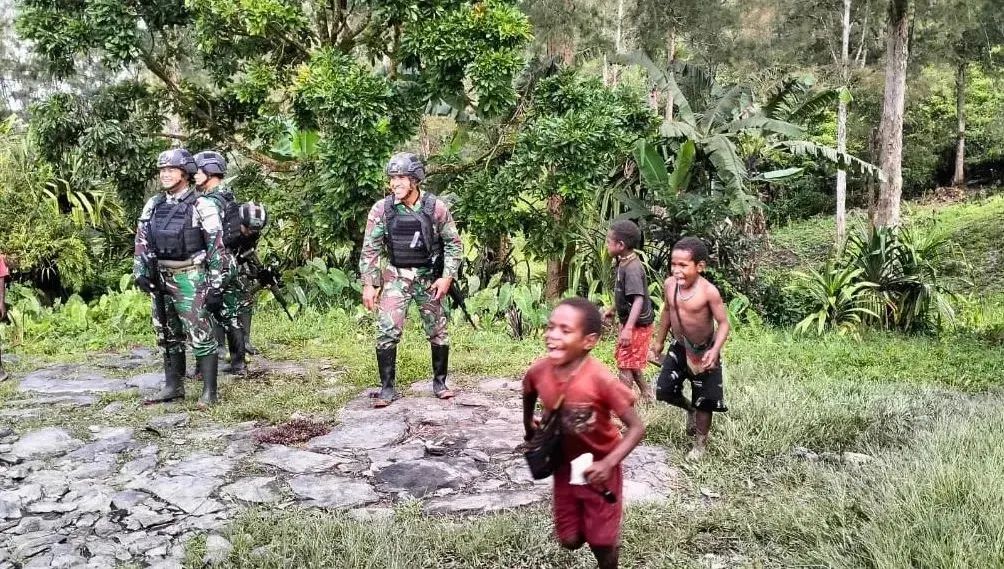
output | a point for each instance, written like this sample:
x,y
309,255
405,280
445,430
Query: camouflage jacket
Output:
x,y
206,215
373,258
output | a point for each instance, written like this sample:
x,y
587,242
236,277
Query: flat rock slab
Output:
x,y
333,491
50,441
426,475
107,441
502,385
361,436
147,381
58,400
167,422
483,503
190,493
298,461
138,357
70,380
277,367
203,465
648,477
494,438
259,490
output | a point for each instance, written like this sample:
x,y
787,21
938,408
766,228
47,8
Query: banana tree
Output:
x,y
720,144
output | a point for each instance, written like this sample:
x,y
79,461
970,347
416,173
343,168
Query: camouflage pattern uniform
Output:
x,y
232,286
187,317
402,286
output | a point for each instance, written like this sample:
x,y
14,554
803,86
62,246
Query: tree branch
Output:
x,y
348,42
161,73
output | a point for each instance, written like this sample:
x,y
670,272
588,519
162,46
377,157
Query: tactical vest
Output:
x,y
172,234
230,216
411,238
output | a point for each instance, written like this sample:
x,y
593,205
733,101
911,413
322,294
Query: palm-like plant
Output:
x,y
723,139
840,299
914,288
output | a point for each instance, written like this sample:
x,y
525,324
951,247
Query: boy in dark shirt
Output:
x,y
4,275
585,394
633,305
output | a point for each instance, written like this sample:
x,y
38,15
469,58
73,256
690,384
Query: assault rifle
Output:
x,y
159,302
268,277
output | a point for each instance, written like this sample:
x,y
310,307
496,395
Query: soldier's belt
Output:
x,y
176,267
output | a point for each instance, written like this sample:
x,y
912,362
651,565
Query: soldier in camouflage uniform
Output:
x,y
179,257
253,220
212,168
411,228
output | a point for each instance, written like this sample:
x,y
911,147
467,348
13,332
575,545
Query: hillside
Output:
x,y
977,227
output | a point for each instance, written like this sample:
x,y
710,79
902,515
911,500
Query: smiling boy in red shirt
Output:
x,y
592,394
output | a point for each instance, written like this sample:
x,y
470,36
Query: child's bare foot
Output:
x,y
691,423
696,453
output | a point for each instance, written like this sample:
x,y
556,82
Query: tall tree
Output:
x,y
351,78
890,133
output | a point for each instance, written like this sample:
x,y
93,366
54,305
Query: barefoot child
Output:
x,y
591,394
692,309
633,305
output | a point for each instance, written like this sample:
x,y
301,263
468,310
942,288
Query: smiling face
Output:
x,y
402,186
565,337
171,177
684,268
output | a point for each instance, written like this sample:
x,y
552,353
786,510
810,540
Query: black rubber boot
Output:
x,y
237,365
440,365
245,322
174,387
221,340
387,366
208,367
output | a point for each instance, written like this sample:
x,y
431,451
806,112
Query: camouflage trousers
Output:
x,y
239,290
188,321
400,288
247,279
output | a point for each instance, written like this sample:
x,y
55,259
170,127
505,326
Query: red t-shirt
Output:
x,y
4,273
592,394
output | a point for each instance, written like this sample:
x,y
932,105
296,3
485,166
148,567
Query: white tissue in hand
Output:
x,y
579,466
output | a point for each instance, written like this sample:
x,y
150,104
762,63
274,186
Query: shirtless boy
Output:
x,y
694,311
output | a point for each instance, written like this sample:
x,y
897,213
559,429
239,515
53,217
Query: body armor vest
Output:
x,y
171,232
411,238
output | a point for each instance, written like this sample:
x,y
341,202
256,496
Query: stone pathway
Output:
x,y
137,495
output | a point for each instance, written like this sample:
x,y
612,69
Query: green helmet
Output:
x,y
177,158
406,164
212,163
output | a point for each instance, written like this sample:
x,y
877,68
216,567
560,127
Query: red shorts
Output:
x,y
581,513
635,355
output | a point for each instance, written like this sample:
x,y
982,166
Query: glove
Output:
x,y
214,300
145,284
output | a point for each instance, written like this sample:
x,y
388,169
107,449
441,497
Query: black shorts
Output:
x,y
706,391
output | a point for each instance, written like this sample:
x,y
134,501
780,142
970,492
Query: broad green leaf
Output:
x,y
650,165
682,168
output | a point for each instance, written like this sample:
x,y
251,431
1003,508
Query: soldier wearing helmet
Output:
x,y
209,179
408,235
179,255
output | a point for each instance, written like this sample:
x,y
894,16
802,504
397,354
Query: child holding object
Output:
x,y
577,386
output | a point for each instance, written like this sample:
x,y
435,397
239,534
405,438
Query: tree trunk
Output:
x,y
670,58
887,211
557,267
842,128
959,179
